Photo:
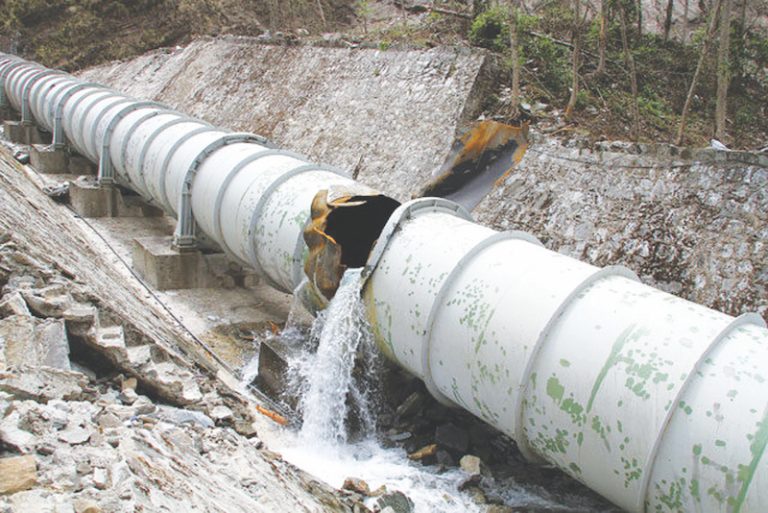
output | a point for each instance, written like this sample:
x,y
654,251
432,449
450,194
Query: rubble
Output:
x,y
104,404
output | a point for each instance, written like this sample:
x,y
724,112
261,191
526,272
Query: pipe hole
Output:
x,y
356,228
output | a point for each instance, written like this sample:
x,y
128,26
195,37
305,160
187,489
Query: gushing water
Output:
x,y
328,387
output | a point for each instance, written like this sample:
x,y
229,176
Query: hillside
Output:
x,y
73,34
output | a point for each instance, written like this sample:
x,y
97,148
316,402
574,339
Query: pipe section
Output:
x,y
657,403
233,190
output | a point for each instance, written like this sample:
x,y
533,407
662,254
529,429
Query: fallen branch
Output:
x,y
450,13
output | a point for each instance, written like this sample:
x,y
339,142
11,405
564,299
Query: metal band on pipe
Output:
x,y
650,462
185,228
217,229
58,125
106,169
440,296
606,272
25,110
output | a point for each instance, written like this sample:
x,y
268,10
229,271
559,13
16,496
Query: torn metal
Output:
x,y
479,160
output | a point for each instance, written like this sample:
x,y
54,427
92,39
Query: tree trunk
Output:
x,y
576,57
684,36
630,63
668,20
514,56
321,13
705,45
723,71
639,19
603,39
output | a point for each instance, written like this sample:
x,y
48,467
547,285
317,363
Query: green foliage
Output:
x,y
491,29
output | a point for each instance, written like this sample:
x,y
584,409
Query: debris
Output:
x,y
413,405
472,465
479,160
272,415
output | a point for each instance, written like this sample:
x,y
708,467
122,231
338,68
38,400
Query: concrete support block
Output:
x,y
274,356
22,133
89,199
166,268
46,159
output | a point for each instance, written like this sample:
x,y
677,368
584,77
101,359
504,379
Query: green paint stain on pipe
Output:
x,y
555,390
757,448
629,334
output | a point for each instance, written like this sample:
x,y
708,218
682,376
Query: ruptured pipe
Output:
x,y
657,403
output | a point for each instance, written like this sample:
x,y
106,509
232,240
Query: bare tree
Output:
x,y
668,20
514,55
629,61
684,36
603,38
702,55
723,70
576,57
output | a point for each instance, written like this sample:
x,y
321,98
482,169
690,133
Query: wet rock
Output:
x,y
476,494
499,508
472,465
17,474
412,405
443,457
451,437
399,437
44,384
13,304
398,501
357,485
423,453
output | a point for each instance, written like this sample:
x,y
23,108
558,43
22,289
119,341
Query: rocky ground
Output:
x,y
105,404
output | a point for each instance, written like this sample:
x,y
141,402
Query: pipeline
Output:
x,y
657,403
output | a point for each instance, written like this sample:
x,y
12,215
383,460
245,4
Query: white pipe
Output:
x,y
657,403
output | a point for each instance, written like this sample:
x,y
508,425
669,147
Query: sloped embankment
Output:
x,y
105,405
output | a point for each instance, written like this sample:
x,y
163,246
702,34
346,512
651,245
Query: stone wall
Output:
x,y
694,224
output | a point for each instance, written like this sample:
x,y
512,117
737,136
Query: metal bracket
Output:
x,y
26,114
106,169
186,227
3,75
57,115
